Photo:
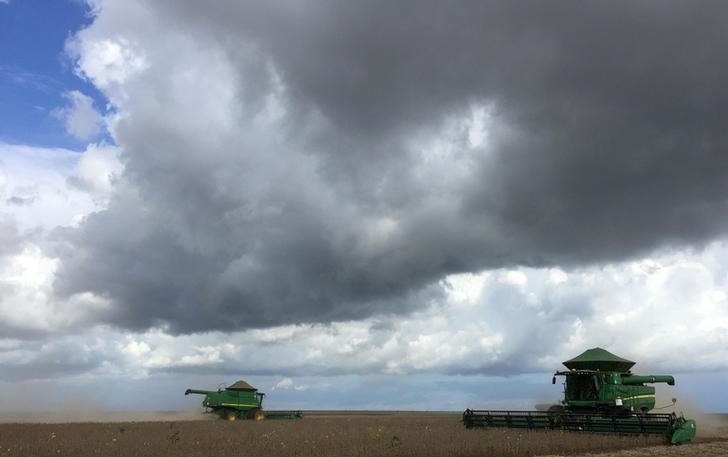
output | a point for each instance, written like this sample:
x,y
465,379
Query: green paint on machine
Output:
x,y
684,431
240,401
600,394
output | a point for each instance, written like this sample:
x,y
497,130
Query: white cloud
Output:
x,y
208,355
58,188
288,384
107,62
97,172
28,304
26,281
466,287
514,277
38,177
285,383
667,311
672,315
674,308
81,119
557,276
136,348
41,177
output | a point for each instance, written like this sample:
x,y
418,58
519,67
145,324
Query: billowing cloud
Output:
x,y
287,165
58,189
667,312
47,188
97,171
81,119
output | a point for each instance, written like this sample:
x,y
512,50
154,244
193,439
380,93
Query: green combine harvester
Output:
x,y
240,401
600,395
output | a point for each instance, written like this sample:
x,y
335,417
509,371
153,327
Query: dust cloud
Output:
x,y
50,406
709,425
101,415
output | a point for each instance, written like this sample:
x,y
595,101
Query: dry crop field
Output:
x,y
397,434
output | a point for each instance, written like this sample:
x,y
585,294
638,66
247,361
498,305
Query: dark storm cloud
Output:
x,y
616,111
608,141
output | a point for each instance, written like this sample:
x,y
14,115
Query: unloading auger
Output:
x,y
600,395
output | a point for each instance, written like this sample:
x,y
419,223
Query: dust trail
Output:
x,y
101,415
86,406
710,426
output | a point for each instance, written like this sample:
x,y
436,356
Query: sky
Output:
x,y
359,205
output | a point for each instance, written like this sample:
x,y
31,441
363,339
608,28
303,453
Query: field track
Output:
x,y
340,434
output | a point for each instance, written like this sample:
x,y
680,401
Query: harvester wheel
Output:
x,y
231,415
259,415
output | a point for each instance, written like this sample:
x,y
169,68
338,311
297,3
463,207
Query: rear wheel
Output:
x,y
259,415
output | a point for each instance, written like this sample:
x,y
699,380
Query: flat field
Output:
x,y
341,434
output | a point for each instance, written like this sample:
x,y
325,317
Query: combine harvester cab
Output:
x,y
600,395
240,401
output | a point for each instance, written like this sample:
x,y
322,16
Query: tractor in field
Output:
x,y
601,394
240,401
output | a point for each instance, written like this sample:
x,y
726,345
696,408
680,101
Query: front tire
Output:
x,y
230,415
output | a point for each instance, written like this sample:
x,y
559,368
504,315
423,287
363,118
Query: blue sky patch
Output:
x,y
35,71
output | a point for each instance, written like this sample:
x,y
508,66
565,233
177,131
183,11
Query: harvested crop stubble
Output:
x,y
714,449
332,435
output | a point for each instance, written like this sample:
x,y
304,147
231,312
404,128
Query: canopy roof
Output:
x,y
599,359
241,385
